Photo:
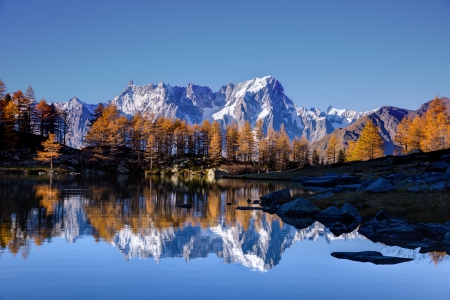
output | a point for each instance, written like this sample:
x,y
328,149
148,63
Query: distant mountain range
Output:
x,y
252,100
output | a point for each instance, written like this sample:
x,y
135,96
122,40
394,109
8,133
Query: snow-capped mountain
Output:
x,y
259,247
79,115
340,118
256,99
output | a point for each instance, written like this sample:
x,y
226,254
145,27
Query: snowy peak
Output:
x,y
256,99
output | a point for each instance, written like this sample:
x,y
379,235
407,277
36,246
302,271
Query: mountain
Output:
x,y
385,118
79,115
256,99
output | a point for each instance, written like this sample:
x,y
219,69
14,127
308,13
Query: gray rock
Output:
x,y
338,228
344,188
249,208
299,207
446,157
188,206
448,171
297,222
329,213
349,212
446,239
274,197
382,215
438,187
363,186
370,256
121,169
322,196
434,229
440,166
419,189
381,185
397,176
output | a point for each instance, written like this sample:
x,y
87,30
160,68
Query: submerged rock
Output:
x,y
184,205
370,256
299,207
249,208
274,197
297,222
330,213
322,196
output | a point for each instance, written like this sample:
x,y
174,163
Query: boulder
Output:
x,y
446,240
299,207
446,157
363,186
188,206
330,213
217,173
297,222
448,171
434,229
382,215
344,188
338,229
381,185
249,208
439,187
370,256
392,230
274,197
349,212
440,166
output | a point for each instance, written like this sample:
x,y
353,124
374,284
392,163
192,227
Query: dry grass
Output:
x,y
426,207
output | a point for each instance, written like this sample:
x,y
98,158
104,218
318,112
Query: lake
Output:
x,y
121,237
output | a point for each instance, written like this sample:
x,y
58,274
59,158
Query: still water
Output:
x,y
73,237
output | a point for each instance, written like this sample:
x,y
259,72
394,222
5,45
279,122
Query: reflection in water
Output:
x,y
139,216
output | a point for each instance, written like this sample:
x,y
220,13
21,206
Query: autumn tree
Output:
x,y
341,156
283,149
370,145
232,141
215,148
51,150
332,150
436,127
403,132
246,142
300,152
41,113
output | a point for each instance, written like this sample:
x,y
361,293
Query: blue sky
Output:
x,y
348,54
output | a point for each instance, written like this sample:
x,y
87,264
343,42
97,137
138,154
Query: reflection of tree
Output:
x,y
437,257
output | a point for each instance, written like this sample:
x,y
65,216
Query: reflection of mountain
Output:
x,y
141,219
259,247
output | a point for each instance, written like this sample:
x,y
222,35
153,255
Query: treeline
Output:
x,y
158,140
21,114
429,132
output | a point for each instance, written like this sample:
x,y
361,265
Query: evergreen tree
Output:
x,y
315,158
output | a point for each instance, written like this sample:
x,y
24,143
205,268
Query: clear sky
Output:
x,y
349,54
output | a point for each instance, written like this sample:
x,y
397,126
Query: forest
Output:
x,y
155,141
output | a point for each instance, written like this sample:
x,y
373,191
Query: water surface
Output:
x,y
121,237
